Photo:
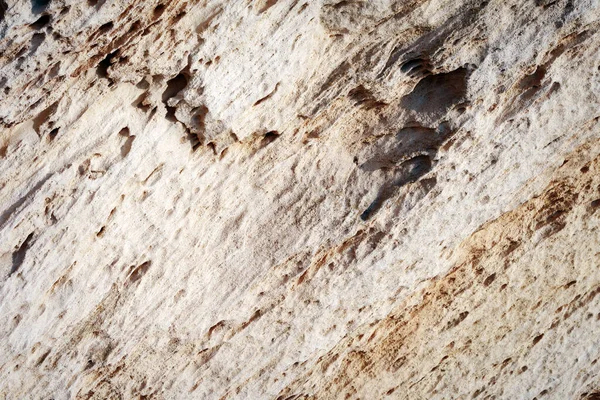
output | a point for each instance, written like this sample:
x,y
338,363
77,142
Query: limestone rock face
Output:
x,y
298,199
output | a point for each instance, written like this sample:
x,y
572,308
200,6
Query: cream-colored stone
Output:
x,y
299,199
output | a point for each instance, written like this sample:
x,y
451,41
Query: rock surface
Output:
x,y
295,199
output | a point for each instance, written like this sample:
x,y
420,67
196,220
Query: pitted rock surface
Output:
x,y
295,199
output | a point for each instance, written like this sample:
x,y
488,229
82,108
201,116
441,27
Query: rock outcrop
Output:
x,y
295,199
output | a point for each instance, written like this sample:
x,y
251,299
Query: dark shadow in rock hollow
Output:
x,y
411,171
410,153
39,6
435,94
18,256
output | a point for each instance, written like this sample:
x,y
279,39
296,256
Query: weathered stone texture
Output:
x,y
296,199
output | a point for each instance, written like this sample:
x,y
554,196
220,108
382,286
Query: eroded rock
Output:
x,y
299,199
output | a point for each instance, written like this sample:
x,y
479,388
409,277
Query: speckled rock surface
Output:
x,y
292,199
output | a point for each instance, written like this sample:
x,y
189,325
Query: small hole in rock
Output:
x,y
143,84
89,364
3,8
41,22
591,396
178,17
135,27
18,257
223,153
96,3
138,272
106,28
102,69
194,140
158,11
489,280
126,148
36,42
213,147
171,114
174,86
142,102
38,6
53,133
270,137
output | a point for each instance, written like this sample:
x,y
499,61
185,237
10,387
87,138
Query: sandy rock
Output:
x,y
290,199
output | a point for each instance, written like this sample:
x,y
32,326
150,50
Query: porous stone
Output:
x,y
295,199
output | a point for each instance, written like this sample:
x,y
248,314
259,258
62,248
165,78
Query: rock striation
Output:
x,y
296,199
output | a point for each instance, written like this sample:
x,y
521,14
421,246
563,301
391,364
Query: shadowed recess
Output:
x,y
3,8
18,256
434,94
38,6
